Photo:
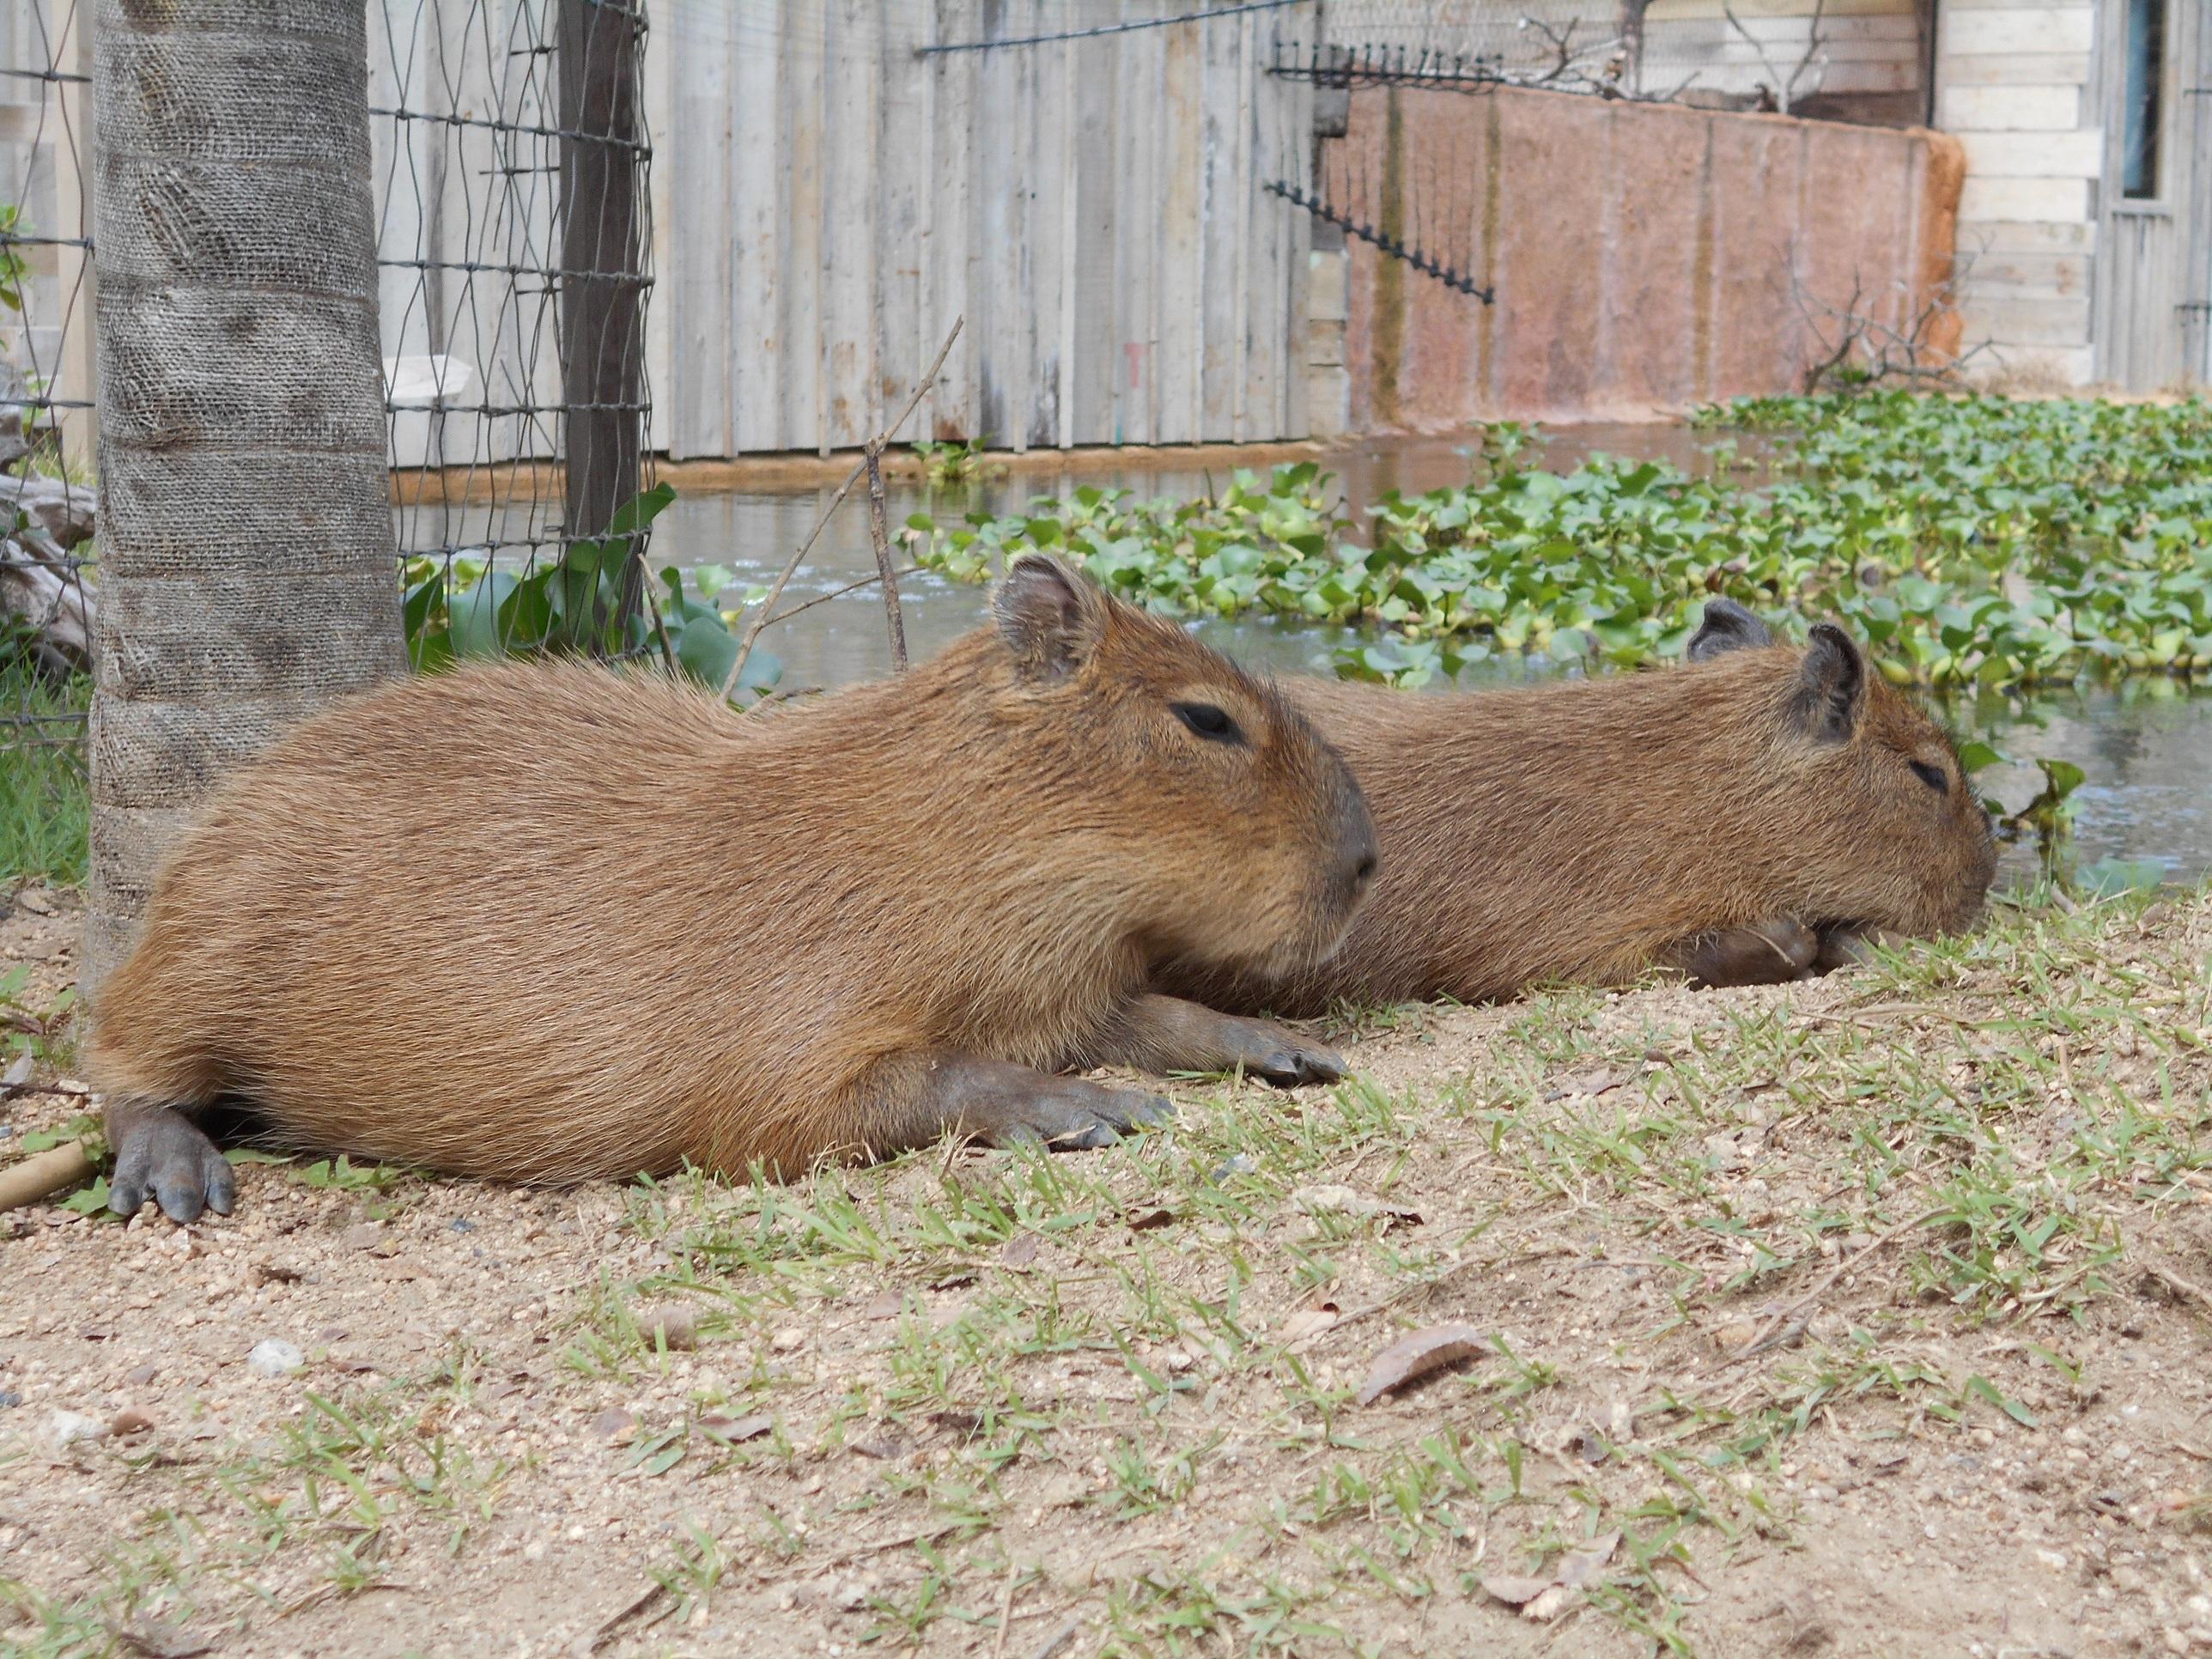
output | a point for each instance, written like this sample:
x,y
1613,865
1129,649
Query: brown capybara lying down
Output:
x,y
548,922
1749,817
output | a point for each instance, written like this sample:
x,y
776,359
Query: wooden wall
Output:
x,y
828,198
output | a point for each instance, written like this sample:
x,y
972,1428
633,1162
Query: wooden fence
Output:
x,y
833,187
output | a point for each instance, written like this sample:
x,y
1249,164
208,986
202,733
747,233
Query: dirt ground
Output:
x,y
1863,1318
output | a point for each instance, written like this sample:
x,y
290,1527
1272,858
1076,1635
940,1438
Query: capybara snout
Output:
x,y
1890,836
1230,757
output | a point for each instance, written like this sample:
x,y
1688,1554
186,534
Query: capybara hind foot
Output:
x,y
918,1098
1162,1035
1771,953
162,1154
1849,947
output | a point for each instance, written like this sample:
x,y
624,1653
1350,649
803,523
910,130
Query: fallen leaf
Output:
x,y
1019,1251
163,1641
1512,1588
613,1425
959,1423
1315,1200
129,1421
1303,1322
882,1448
1578,1567
17,1076
886,1305
1414,1356
1549,1605
736,1429
1152,1219
952,1281
1588,1083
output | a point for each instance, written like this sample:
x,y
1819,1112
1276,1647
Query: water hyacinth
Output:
x,y
1970,541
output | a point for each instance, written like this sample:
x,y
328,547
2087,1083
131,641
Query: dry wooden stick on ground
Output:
x,y
775,588
44,1173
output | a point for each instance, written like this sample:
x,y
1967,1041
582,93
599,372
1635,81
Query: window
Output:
x,y
2145,58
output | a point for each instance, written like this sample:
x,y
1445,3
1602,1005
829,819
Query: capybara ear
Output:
x,y
1832,685
1727,626
1050,616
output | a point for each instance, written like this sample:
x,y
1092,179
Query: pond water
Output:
x,y
2145,745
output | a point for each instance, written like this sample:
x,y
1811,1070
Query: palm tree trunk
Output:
x,y
246,562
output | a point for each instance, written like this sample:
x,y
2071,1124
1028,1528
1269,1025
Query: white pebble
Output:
x,y
68,1428
275,1356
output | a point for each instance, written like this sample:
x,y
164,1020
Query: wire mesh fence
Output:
x,y
514,240
514,243
46,503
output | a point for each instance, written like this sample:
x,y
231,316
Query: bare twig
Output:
x,y
1785,87
880,536
838,594
1058,1639
1787,1321
1857,344
2185,1290
775,588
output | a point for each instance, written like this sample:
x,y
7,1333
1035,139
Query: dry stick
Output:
x,y
2185,1289
776,589
879,533
838,594
44,1173
1771,1336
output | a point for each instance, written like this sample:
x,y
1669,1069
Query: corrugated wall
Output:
x,y
829,196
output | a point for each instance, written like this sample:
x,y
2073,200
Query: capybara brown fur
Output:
x,y
547,921
1744,817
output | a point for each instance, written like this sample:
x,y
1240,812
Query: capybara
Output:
x,y
547,921
1747,817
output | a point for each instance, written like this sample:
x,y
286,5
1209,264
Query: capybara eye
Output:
x,y
1208,721
1931,775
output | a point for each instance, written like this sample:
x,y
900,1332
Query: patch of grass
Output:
x,y
46,803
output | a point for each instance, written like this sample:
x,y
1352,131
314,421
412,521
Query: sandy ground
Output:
x,y
1863,1318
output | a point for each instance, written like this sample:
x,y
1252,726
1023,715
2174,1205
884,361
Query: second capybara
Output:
x,y
1747,817
546,922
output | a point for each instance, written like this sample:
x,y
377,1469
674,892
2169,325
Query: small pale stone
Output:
x,y
68,1429
275,1356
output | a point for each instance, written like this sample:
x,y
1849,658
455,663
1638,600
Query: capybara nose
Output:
x,y
1360,859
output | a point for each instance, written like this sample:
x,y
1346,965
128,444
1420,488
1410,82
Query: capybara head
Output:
x,y
1254,842
1887,828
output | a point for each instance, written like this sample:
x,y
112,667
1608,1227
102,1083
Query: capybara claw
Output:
x,y
1075,1116
1294,1064
166,1156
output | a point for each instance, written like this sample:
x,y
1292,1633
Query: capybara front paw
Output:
x,y
1073,1115
166,1156
1288,1060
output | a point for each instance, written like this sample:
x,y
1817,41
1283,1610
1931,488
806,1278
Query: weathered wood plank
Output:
x,y
756,355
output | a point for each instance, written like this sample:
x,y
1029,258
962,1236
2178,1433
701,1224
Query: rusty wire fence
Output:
x,y
1868,62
